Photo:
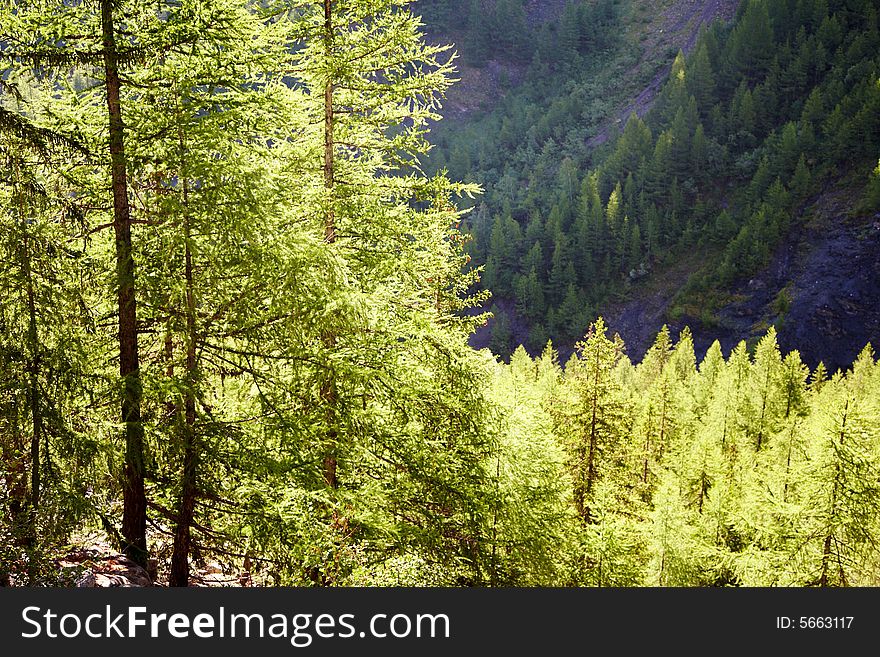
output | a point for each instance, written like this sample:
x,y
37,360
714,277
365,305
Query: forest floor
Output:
x,y
92,563
96,565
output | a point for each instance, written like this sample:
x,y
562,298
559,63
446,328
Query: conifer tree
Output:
x,y
44,363
595,425
840,519
531,518
372,84
34,40
767,371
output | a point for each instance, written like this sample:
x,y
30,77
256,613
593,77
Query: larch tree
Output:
x,y
840,494
775,507
531,514
205,175
766,390
591,414
51,38
45,369
655,417
385,409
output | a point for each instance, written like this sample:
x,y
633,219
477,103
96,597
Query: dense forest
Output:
x,y
237,295
747,131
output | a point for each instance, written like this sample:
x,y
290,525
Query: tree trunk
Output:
x,y
13,451
328,392
594,426
179,575
328,387
329,120
134,518
826,558
763,412
33,367
36,406
20,500
580,481
788,461
704,488
826,547
662,436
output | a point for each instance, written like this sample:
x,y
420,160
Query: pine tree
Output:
x,y
800,180
531,520
372,202
530,296
656,382
196,136
753,40
675,541
700,79
478,33
568,35
699,156
675,93
767,403
791,448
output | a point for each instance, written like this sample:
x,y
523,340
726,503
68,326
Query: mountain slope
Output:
x,y
714,173
679,26
820,290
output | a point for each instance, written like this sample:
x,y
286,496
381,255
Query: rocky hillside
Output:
x,y
656,30
673,29
700,162
821,291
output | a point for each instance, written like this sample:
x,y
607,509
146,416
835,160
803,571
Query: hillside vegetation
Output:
x,y
744,135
